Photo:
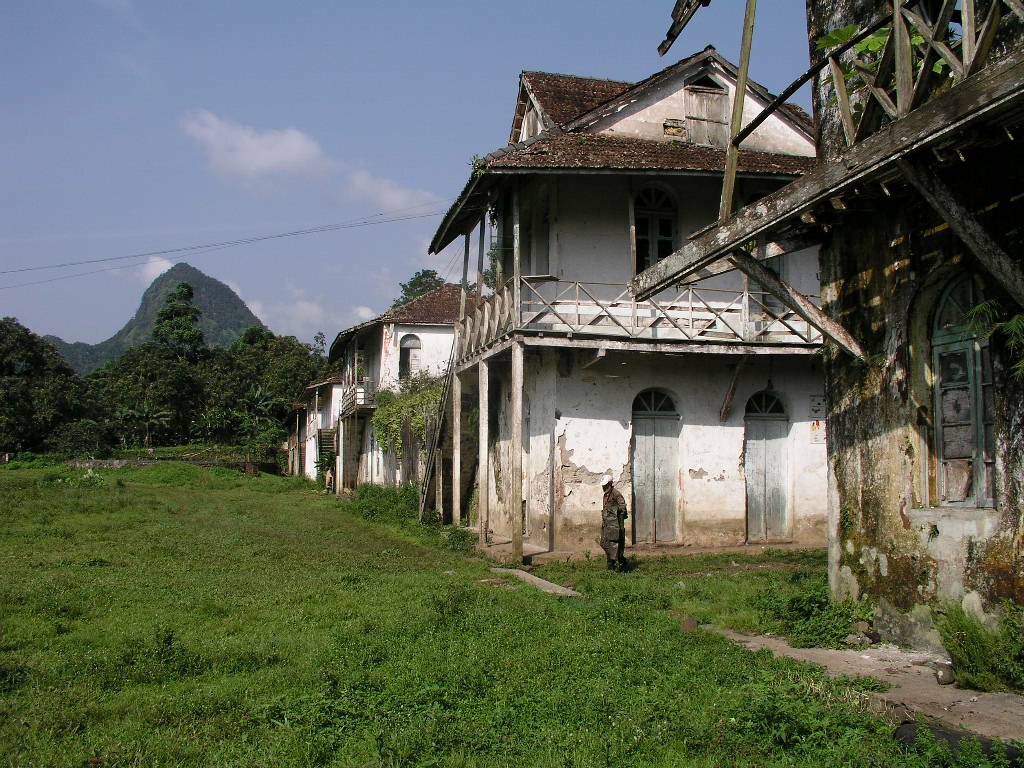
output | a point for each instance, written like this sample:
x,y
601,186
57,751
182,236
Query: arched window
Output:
x,y
964,419
408,356
653,402
654,221
765,405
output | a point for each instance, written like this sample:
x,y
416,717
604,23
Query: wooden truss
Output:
x,y
896,109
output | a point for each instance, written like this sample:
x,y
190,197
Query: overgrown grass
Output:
x,y
988,659
172,615
782,592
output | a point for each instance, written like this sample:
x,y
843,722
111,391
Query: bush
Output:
x,y
84,438
399,504
983,658
810,618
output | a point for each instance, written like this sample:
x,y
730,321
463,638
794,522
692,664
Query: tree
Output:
x,y
176,326
422,282
38,390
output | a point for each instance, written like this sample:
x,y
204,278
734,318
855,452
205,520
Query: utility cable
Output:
x,y
364,222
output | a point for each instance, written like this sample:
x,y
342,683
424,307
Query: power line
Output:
x,y
364,222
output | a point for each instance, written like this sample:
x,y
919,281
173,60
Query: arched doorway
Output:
x,y
655,467
765,463
964,419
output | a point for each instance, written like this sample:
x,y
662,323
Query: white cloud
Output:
x,y
385,194
302,316
242,152
152,269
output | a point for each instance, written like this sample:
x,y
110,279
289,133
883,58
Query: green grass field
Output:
x,y
171,615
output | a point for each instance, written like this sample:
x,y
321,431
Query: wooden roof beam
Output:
x,y
975,98
966,226
769,280
778,247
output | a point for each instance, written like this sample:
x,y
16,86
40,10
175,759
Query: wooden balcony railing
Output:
x,y
362,394
607,310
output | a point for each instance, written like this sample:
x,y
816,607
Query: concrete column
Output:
x,y
456,396
483,468
516,452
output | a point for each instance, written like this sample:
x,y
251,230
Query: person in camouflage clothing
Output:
x,y
613,526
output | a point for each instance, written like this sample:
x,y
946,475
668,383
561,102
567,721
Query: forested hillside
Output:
x,y
224,317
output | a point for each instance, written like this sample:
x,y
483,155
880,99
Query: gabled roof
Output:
x,y
569,145
437,307
562,97
794,113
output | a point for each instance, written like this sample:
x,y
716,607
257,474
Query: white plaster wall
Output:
x,y
435,350
591,231
645,118
594,431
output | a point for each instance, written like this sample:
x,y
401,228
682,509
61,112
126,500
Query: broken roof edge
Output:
x,y
682,12
441,240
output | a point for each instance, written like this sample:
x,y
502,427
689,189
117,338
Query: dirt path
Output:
x,y
913,685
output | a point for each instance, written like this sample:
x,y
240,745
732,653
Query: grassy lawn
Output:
x,y
171,615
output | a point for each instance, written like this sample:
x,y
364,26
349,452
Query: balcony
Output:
x,y
358,396
685,315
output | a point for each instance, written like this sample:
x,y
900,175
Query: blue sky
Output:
x,y
134,126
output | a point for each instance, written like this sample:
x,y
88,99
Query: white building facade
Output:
x,y
412,339
704,403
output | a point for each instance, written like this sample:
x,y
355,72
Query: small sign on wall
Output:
x,y
818,422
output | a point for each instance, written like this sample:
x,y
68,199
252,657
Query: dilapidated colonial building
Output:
x,y
917,205
413,338
704,401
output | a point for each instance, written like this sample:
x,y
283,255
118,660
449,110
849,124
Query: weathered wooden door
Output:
x,y
964,401
765,465
655,468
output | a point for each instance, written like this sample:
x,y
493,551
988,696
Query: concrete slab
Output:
x,y
536,581
913,684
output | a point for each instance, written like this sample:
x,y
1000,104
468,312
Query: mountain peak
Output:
x,y
224,317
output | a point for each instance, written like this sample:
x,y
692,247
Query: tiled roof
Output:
x,y
564,97
439,307
601,151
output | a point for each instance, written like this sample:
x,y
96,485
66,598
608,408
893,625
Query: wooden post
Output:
x,y
966,226
736,123
483,492
517,270
480,258
516,450
457,441
465,280
439,483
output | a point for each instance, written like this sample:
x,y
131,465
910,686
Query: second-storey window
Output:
x,y
654,220
408,356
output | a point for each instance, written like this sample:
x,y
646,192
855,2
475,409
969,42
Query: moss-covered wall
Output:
x,y
883,272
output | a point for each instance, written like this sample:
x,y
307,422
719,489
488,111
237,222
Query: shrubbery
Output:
x,y
988,659
810,618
